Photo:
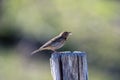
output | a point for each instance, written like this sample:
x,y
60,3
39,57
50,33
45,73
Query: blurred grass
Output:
x,y
14,67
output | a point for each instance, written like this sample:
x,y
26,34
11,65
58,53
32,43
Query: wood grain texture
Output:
x,y
69,66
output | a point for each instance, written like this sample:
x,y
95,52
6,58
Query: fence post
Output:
x,y
69,65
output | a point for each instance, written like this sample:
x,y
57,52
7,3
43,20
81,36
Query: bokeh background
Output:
x,y
27,24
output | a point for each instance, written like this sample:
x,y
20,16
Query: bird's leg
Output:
x,y
54,50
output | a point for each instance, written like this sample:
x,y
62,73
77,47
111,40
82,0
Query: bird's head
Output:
x,y
65,34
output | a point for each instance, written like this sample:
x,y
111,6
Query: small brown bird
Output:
x,y
55,43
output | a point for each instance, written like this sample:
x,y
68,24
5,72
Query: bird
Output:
x,y
55,43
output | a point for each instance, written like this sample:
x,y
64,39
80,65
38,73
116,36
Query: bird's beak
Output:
x,y
70,33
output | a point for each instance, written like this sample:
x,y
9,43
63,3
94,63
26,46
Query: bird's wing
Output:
x,y
47,44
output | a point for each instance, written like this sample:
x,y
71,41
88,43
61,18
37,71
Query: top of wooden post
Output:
x,y
78,53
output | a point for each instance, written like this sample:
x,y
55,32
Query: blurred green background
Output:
x,y
27,24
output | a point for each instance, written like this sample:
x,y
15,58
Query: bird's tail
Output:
x,y
36,51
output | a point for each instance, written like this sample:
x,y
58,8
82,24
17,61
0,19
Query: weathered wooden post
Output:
x,y
69,66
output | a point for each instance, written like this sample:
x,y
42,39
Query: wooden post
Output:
x,y
69,66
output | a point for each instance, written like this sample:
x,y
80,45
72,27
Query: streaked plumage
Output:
x,y
55,43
